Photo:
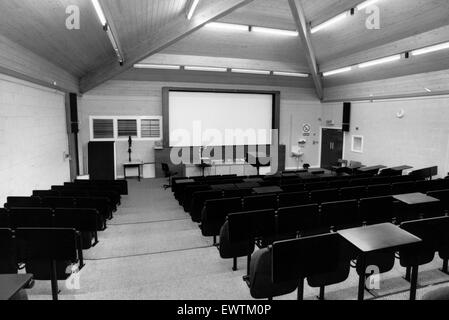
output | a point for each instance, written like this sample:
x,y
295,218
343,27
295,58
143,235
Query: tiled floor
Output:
x,y
152,250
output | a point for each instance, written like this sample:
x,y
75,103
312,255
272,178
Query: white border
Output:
x,y
352,144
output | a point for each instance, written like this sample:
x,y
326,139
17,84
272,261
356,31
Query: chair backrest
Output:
x,y
218,209
31,218
304,257
320,196
58,202
4,219
84,220
403,187
378,190
338,183
341,214
351,193
8,260
297,187
52,244
45,193
247,226
293,199
317,186
433,232
23,202
443,196
377,210
302,220
260,202
360,182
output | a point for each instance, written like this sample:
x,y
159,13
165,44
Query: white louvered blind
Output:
x,y
151,128
127,128
103,128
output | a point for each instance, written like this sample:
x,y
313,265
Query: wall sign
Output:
x,y
306,129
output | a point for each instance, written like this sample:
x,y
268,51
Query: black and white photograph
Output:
x,y
226,157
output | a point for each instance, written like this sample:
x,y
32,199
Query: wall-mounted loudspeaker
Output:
x,y
346,116
74,112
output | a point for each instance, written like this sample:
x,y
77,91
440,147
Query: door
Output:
x,y
331,147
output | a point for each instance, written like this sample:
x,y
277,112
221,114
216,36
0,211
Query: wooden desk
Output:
x,y
229,186
380,238
267,190
130,165
247,185
401,168
372,169
415,198
11,284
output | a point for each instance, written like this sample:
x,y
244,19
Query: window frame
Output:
x,y
354,137
115,127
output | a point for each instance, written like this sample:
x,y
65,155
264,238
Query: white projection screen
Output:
x,y
219,119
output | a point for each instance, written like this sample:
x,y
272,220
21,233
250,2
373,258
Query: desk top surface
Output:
x,y
228,186
10,284
133,163
371,168
184,181
379,237
402,168
265,190
415,198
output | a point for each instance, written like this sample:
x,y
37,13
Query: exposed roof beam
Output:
x,y
304,33
173,32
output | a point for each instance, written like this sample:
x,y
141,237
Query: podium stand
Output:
x,y
258,160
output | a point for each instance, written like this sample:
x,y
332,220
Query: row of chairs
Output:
x,y
73,211
325,260
242,229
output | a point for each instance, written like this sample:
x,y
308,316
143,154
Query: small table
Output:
x,y
417,200
267,190
380,238
11,284
131,165
372,169
401,168
247,185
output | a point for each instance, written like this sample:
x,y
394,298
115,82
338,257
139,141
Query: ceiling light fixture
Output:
x,y
330,22
227,26
100,12
278,32
438,47
193,6
156,66
380,61
342,70
291,74
251,71
210,69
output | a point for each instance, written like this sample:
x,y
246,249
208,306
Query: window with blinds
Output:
x,y
127,128
150,128
103,128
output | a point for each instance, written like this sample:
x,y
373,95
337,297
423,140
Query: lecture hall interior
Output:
x,y
221,150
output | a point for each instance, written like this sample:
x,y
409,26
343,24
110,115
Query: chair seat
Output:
x,y
439,294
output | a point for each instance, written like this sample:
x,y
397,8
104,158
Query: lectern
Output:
x,y
258,160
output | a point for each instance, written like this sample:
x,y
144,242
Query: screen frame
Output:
x,y
276,107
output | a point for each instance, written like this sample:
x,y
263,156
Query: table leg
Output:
x,y
301,289
362,278
54,280
124,172
139,173
414,282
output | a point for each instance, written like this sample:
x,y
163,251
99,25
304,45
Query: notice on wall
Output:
x,y
306,129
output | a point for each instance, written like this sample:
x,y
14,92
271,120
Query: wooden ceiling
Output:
x,y
157,31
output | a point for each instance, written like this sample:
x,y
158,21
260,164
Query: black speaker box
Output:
x,y
346,117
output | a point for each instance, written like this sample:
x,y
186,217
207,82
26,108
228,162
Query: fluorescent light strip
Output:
x,y
366,4
291,74
380,61
330,22
156,66
192,9
100,12
342,70
438,47
211,69
251,71
279,32
227,26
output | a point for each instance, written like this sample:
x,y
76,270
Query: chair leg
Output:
x,y
414,282
234,264
54,280
95,239
322,293
408,274
301,289
215,240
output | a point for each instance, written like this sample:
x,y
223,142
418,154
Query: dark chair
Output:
x,y
87,221
297,187
378,190
58,202
120,185
233,193
327,195
298,221
260,202
8,259
377,210
360,182
31,218
188,195
293,199
260,277
168,174
322,260
4,219
443,196
352,193
23,202
48,253
340,215
198,200
338,184
102,205
317,186
214,215
45,193
403,188
233,250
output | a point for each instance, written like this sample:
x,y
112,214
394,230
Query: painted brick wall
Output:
x,y
33,138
